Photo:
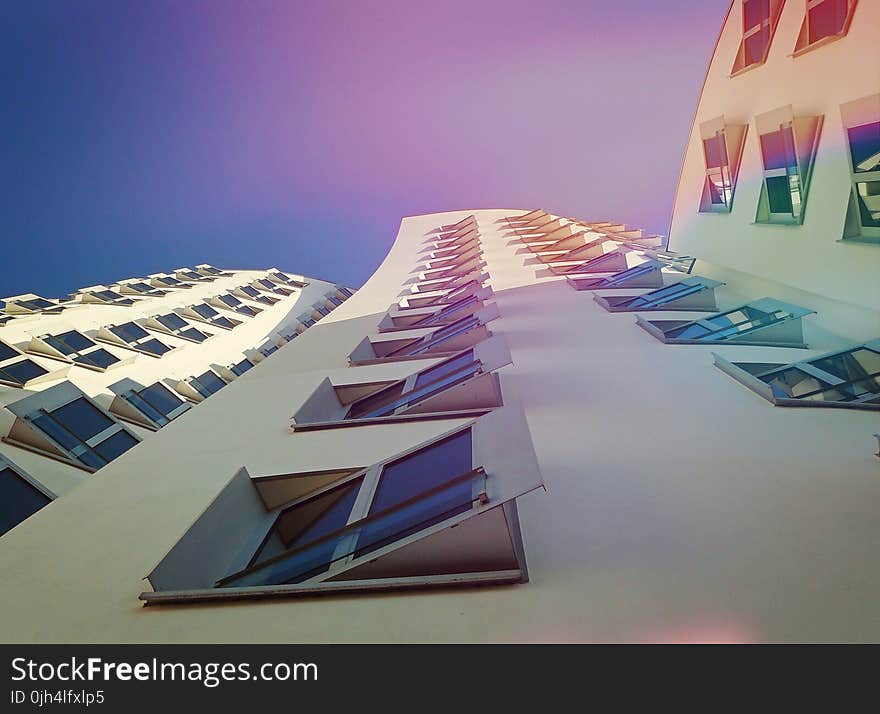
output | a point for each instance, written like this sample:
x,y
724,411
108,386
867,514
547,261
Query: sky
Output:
x,y
137,137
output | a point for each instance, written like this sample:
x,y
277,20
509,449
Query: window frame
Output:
x,y
51,400
803,45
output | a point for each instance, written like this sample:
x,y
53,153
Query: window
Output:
x,y
76,426
207,384
847,378
191,275
176,325
141,288
643,275
75,346
347,292
335,301
307,321
254,294
759,24
824,21
722,149
170,282
764,322
693,293
450,311
413,493
208,314
788,151
108,297
135,337
233,303
862,122
431,343
268,349
242,367
36,304
156,402
398,397
20,373
322,310
20,497
269,286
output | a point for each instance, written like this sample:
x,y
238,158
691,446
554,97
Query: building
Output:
x,y
84,379
527,427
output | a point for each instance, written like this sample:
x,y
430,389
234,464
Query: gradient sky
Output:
x,y
143,136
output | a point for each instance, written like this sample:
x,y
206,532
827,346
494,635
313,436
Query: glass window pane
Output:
x,y
223,322
756,46
194,334
229,300
129,332
424,470
18,499
241,367
146,408
755,12
99,358
204,310
374,401
55,431
37,304
23,371
211,382
75,341
864,145
154,346
868,196
161,398
82,418
248,290
777,149
779,194
115,445
465,359
715,151
826,18
851,365
172,321
6,352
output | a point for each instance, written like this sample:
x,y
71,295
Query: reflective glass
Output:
x,y
18,499
99,358
23,371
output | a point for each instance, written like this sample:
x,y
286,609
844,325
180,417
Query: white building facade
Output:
x,y
528,428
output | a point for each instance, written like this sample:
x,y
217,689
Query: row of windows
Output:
x,y
788,146
326,524
823,21
848,377
67,424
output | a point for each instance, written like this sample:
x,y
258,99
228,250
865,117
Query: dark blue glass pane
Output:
x,y
229,300
172,321
223,322
194,334
248,290
115,445
38,304
75,341
154,347
374,401
99,358
82,418
204,310
241,367
146,408
160,397
18,499
23,371
455,364
55,431
129,332
211,382
6,352
424,470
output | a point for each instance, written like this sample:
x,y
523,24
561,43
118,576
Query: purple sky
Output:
x,y
142,136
